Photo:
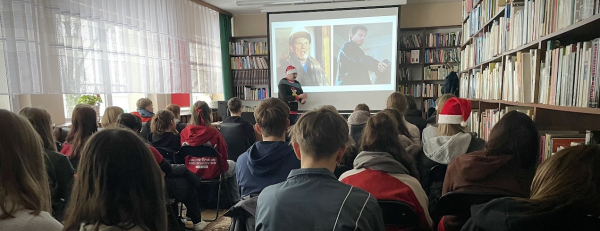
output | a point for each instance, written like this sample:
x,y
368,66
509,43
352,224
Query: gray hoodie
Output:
x,y
380,161
443,149
359,117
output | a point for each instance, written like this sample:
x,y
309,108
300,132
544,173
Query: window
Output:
x,y
5,102
70,101
126,101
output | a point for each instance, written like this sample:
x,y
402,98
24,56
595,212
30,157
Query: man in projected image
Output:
x,y
310,72
353,64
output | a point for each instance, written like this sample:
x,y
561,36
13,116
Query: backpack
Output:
x,y
451,84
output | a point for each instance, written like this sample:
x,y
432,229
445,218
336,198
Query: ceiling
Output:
x,y
229,5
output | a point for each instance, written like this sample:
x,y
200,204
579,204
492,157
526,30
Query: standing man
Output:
x,y
290,91
311,73
353,64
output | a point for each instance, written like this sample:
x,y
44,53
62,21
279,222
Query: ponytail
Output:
x,y
161,121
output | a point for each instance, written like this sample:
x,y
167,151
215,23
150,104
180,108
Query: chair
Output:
x,y
459,203
399,215
356,133
233,133
433,188
204,161
145,130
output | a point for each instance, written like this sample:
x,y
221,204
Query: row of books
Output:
x,y
411,41
482,122
443,39
485,84
421,90
442,56
430,103
519,77
569,75
244,47
250,93
463,88
553,141
250,77
405,74
438,72
481,15
410,56
249,62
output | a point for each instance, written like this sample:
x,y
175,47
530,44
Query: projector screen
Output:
x,y
343,57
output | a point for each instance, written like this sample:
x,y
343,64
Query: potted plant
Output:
x,y
93,100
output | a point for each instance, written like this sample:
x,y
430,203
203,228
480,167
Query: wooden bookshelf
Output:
x,y
248,79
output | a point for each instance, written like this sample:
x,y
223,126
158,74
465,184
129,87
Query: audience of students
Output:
x,y
383,169
414,115
163,134
25,202
119,186
110,116
269,161
145,109
83,125
312,198
59,169
506,166
177,112
398,101
234,105
564,196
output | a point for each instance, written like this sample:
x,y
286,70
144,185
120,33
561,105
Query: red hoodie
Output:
x,y
195,135
144,119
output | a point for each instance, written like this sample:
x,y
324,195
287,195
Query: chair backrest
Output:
x,y
249,116
436,176
64,131
459,203
356,133
202,160
398,214
145,130
233,133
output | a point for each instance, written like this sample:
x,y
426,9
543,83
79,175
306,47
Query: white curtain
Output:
x,y
108,46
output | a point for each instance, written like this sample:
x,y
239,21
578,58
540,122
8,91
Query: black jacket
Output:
x,y
288,91
60,174
249,135
168,141
354,65
415,117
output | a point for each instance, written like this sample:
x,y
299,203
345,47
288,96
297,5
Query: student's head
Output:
x,y
300,45
83,125
320,135
118,183
397,101
234,105
130,121
362,107
201,114
515,134
400,125
452,118
272,117
358,34
439,103
42,122
411,102
175,109
571,179
110,115
145,103
163,121
329,107
23,179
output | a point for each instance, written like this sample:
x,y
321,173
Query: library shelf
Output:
x,y
255,55
586,110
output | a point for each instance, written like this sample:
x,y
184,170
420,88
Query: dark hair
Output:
x,y
161,121
234,104
321,133
83,125
397,100
355,29
515,134
174,108
130,121
381,135
362,107
271,116
118,184
402,129
410,100
204,116
42,122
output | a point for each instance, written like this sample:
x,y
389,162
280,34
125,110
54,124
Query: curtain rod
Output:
x,y
212,7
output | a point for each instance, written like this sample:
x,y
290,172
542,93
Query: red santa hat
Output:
x,y
290,70
455,111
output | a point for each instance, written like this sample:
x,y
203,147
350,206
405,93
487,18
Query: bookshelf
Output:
x,y
534,57
249,67
426,55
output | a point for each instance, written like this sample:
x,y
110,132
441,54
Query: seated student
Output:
x,y
145,109
118,186
59,169
110,116
234,105
431,131
83,125
564,196
177,112
163,134
359,116
201,132
312,198
411,149
413,115
24,195
507,165
269,161
382,168
398,101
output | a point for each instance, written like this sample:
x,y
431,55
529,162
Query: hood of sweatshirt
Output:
x,y
196,135
480,164
443,149
265,157
380,161
359,117
168,141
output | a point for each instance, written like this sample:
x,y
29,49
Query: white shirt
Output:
x,y
25,221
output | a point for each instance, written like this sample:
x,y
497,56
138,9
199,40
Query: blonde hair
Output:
x,y
110,116
397,101
42,123
143,103
361,107
450,129
23,178
320,133
175,109
161,122
440,104
329,107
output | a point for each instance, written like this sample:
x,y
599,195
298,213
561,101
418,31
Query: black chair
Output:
x,y
167,154
399,215
204,152
459,203
436,178
356,133
233,133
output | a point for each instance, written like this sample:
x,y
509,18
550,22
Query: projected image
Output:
x,y
307,49
363,53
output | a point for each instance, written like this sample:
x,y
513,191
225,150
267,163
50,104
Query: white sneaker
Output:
x,y
200,226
